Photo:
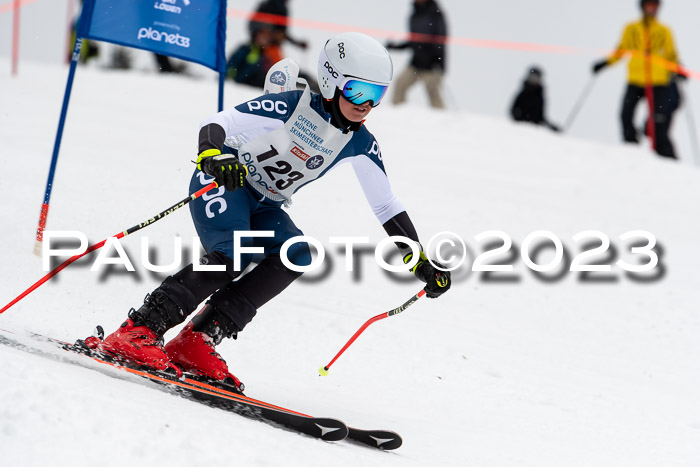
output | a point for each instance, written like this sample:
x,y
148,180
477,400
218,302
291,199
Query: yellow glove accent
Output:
x,y
237,167
205,154
441,281
407,259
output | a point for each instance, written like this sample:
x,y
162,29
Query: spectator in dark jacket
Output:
x,y
250,62
166,65
529,103
427,41
274,14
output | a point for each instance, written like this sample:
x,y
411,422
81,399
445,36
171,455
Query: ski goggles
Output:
x,y
359,91
356,90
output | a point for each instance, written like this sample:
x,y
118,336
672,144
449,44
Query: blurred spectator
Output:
x,y
250,62
651,68
675,100
89,49
120,58
428,62
274,14
529,103
166,65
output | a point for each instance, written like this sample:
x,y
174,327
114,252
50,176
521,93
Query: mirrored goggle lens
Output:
x,y
359,92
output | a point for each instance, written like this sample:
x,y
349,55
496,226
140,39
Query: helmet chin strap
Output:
x,y
338,120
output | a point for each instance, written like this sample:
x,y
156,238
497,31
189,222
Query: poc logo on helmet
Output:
x,y
268,106
341,49
331,70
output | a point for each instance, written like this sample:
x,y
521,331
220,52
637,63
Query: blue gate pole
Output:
x,y
221,50
222,75
57,145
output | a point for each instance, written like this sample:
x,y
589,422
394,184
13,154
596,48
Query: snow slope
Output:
x,y
518,372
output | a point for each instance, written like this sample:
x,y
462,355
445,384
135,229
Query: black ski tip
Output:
x,y
380,439
330,429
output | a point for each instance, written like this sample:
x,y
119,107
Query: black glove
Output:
x,y
437,282
597,66
225,168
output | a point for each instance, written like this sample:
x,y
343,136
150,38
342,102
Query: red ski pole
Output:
x,y
323,371
99,245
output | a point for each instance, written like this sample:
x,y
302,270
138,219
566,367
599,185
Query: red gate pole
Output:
x,y
15,36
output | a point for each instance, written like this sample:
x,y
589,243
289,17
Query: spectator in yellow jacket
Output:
x,y
651,67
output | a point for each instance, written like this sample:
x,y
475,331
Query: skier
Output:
x,y
529,103
651,67
260,153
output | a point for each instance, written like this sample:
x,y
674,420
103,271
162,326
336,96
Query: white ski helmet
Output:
x,y
357,65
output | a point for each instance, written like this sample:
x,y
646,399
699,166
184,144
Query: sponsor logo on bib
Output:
x,y
314,163
300,154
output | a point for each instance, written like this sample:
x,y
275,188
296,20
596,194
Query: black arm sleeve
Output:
x,y
401,224
211,136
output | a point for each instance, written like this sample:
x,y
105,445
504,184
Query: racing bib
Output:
x,y
283,160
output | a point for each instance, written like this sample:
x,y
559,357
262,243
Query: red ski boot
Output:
x,y
195,352
140,338
137,344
